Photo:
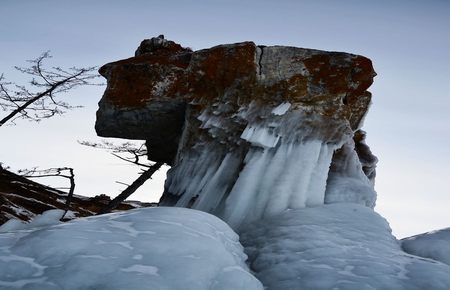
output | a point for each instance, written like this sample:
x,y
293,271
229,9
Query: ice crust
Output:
x,y
338,246
434,245
153,248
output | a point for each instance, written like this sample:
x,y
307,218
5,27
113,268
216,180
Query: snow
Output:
x,y
150,248
337,246
49,217
142,269
434,245
19,211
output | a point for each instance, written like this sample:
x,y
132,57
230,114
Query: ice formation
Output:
x,y
284,166
154,249
434,245
338,246
347,181
250,131
281,109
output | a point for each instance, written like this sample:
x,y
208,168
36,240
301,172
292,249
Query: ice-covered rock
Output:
x,y
153,248
434,245
249,130
338,246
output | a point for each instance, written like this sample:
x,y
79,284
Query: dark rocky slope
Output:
x,y
23,199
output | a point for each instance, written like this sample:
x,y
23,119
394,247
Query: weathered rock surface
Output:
x,y
249,130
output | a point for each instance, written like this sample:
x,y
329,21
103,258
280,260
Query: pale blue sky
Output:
x,y
408,125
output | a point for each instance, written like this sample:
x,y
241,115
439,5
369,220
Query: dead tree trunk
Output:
x,y
70,194
147,174
54,172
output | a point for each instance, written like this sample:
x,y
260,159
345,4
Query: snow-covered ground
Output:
x,y
434,245
337,246
151,248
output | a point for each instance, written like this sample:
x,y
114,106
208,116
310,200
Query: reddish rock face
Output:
x,y
232,102
147,95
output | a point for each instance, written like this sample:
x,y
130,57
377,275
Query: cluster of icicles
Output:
x,y
281,169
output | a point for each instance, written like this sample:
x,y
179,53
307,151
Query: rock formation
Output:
x,y
248,130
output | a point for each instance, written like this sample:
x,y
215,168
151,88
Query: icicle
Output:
x,y
281,109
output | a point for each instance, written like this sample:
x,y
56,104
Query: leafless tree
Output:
x,y
131,153
64,172
38,100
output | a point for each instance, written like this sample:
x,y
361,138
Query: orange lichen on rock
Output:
x,y
323,73
221,66
362,74
340,73
132,82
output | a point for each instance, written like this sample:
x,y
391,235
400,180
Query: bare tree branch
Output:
x,y
127,151
38,100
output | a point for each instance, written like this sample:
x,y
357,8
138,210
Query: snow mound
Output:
x,y
434,245
47,218
336,246
152,248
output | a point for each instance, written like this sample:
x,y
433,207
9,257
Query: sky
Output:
x,y
408,124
